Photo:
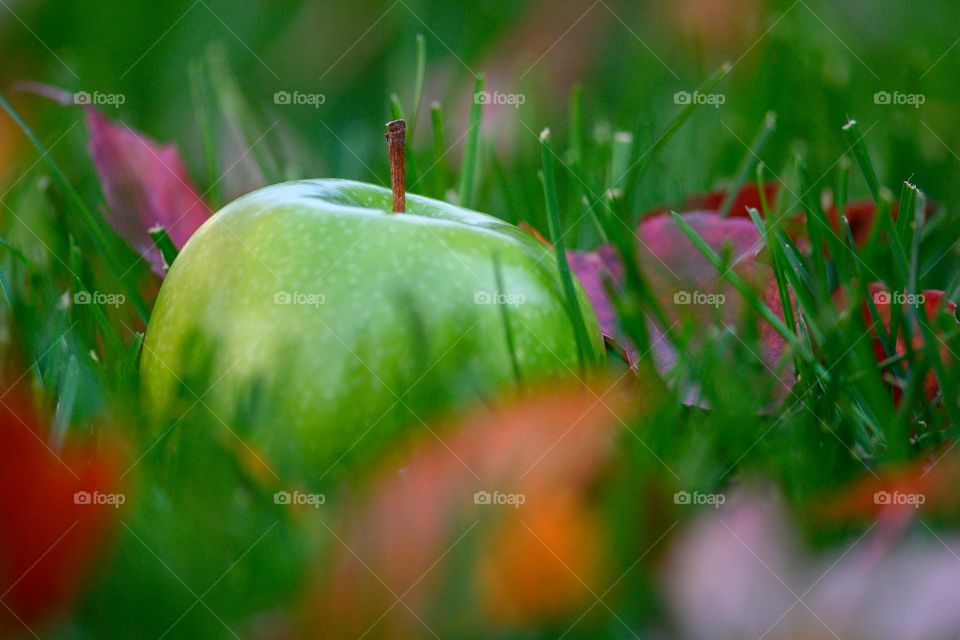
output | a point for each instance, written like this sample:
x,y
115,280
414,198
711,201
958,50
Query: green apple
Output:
x,y
350,323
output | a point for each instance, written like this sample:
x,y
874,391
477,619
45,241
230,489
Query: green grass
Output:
x,y
603,168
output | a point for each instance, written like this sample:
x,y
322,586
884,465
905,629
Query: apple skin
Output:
x,y
382,314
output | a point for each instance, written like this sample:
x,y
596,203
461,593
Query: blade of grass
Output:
x,y
585,352
799,277
643,300
817,231
505,318
803,334
7,289
66,398
898,438
575,150
863,291
581,192
507,189
418,87
840,187
165,245
133,355
854,137
203,112
777,261
629,303
16,253
90,222
439,150
946,383
910,227
396,109
239,118
645,161
621,151
901,262
471,151
642,133
111,338
898,240
775,250
750,296
749,162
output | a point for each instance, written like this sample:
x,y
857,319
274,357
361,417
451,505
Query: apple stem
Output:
x,y
396,135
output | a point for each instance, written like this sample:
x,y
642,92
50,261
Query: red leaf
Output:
x,y
860,214
676,266
748,196
934,302
49,540
146,184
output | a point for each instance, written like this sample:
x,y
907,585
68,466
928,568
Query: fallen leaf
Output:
x,y
685,284
897,492
740,572
676,267
506,490
52,536
934,302
146,184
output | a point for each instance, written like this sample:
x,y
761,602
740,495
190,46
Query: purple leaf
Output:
x,y
592,268
146,185
686,285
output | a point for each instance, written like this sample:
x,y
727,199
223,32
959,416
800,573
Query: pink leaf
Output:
x,y
592,268
146,184
686,285
740,572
